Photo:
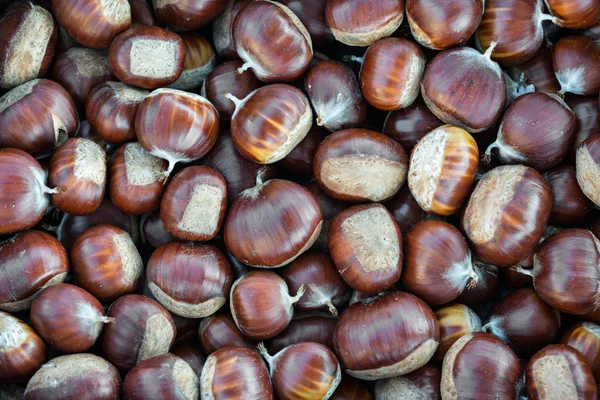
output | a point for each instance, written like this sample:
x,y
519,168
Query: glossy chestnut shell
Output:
x,y
587,114
569,203
219,330
575,14
455,321
578,77
200,59
187,15
405,209
409,125
585,337
22,352
304,328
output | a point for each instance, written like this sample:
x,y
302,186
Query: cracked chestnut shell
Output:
x,y
22,351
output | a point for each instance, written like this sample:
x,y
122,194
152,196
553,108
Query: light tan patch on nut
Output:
x,y
588,174
141,167
131,261
153,58
90,162
157,338
201,216
553,378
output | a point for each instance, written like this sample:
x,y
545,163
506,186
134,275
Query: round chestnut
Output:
x,y
300,159
223,30
539,72
575,60
219,330
187,15
409,125
304,328
577,14
192,355
141,13
455,321
200,59
587,114
22,351
569,203
351,389
585,337
312,14
405,209
423,383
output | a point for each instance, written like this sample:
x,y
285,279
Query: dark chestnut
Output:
x,y
300,159
141,13
587,114
22,351
223,30
455,321
569,204
200,59
539,71
488,283
304,328
575,60
192,355
405,209
312,14
219,330
351,389
409,125
187,15
423,383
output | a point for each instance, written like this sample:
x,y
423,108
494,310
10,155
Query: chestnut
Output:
x,y
235,373
219,330
366,247
188,134
93,23
587,114
153,230
106,262
576,14
517,276
437,267
575,60
278,219
537,130
254,28
440,24
200,59
135,179
190,280
487,286
312,14
141,13
423,383
351,389
141,329
585,337
443,166
559,370
80,70
539,72
78,171
362,22
85,131
22,352
110,110
569,204
325,288
360,165
455,321
166,376
409,125
475,107
405,209
335,95
223,29
83,375
587,164
479,365
268,123
395,334
303,370
391,71
28,38
187,15
304,328
32,261
506,214
300,159
192,355
23,191
147,56
36,117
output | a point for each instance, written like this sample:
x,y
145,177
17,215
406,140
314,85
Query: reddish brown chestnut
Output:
x,y
303,371
539,71
569,204
312,14
153,230
304,328
587,114
423,383
147,56
560,370
76,376
78,171
200,59
141,329
443,166
219,330
68,318
576,14
106,262
409,125
585,337
290,219
455,321
235,373
254,28
575,60
141,13
192,355
300,159
360,165
188,14
366,247
93,23
22,351
165,375
351,389
28,37
395,334
487,285
506,214
587,164
405,209
223,29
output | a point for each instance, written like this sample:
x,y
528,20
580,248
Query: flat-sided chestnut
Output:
x,y
539,71
569,204
360,165
303,370
575,60
110,110
141,329
437,267
147,56
32,261
391,72
396,333
22,351
28,36
455,321
267,318
79,70
188,133
523,321
75,376
219,330
23,191
576,14
254,28
200,59
68,318
304,328
106,262
474,107
362,22
409,125
587,164
192,355
559,370
78,172
165,375
289,218
587,114
188,14
190,280
423,383
405,209
506,214
335,95
235,373
585,337
440,24
479,365
536,130
135,179
366,247
487,285
443,166
93,23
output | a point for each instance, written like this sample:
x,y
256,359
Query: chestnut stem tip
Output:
x,y
235,100
332,309
299,294
490,50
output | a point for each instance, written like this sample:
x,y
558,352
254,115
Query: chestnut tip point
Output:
x,y
332,308
521,270
234,99
242,69
490,50
298,295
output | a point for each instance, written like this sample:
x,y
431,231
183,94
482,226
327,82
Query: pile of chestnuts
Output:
x,y
299,199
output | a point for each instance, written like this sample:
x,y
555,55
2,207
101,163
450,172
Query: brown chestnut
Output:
x,y
539,71
219,330
200,59
192,355
254,28
405,209
506,214
587,164
423,383
223,30
304,328
351,389
576,14
585,337
312,14
22,351
300,159
106,262
575,60
409,125
141,13
455,321
487,286
187,15
587,114
569,204
153,230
